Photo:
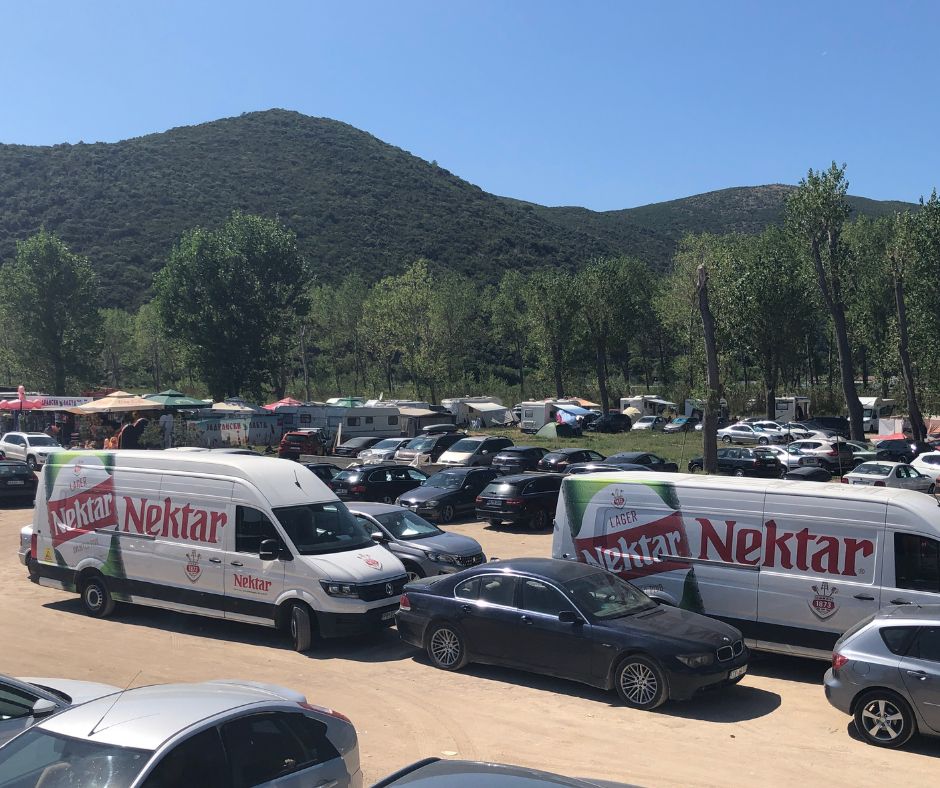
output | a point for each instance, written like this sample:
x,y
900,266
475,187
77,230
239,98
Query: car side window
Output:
x,y
497,590
14,703
927,644
898,639
379,476
539,597
261,748
399,475
199,760
916,562
468,589
251,528
593,455
416,476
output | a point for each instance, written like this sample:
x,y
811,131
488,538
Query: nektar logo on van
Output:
x,y
88,509
168,520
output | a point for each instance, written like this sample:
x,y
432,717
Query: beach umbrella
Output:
x,y
118,402
176,399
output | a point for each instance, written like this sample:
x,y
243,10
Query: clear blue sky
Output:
x,y
602,104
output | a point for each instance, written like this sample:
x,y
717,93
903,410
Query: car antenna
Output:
x,y
296,480
116,699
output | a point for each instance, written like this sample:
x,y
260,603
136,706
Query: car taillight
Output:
x,y
844,480
514,501
479,499
832,453
34,546
358,488
404,603
879,484
838,660
324,710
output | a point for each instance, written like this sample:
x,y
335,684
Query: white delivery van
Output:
x,y
792,564
252,539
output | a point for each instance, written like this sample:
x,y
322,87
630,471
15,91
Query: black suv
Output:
x,y
901,450
524,498
743,462
376,482
560,459
352,447
837,425
447,493
434,444
612,422
515,459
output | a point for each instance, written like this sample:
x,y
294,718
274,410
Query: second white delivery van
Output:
x,y
252,539
793,565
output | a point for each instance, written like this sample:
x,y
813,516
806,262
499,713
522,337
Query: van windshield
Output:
x,y
316,528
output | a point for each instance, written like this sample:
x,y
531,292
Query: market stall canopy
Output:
x,y
176,399
118,402
231,407
283,403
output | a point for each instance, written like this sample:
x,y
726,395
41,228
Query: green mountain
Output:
x,y
356,203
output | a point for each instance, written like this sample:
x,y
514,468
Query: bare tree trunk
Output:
x,y
913,408
303,361
600,363
713,400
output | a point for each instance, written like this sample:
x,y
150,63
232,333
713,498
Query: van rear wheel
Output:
x,y
301,628
96,599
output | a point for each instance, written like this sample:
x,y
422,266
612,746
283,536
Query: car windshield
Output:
x,y
554,456
42,440
605,596
407,525
41,758
872,469
447,480
467,445
420,444
13,469
346,475
388,443
316,528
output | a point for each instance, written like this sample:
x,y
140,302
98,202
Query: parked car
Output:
x,y
885,673
515,459
834,425
742,462
16,480
901,450
188,734
787,456
297,442
383,482
808,473
324,471
474,451
653,462
650,423
559,459
525,498
383,451
880,473
720,423
437,773
448,493
603,467
611,422
30,447
24,702
862,452
431,444
928,463
835,456
422,547
570,620
748,435
772,428
352,447
681,424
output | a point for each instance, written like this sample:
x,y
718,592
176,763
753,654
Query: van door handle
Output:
x,y
865,597
237,563
215,560
917,674
899,601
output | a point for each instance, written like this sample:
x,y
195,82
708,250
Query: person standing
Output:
x,y
166,424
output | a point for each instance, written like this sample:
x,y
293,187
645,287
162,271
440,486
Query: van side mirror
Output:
x,y
269,550
569,617
377,536
43,707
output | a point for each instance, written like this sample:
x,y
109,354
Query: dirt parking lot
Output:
x,y
775,728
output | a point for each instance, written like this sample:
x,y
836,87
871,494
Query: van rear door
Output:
x,y
820,567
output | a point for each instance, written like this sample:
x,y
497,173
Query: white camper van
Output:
x,y
873,409
793,565
251,539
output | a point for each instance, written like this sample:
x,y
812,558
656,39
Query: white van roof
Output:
x,y
281,482
925,507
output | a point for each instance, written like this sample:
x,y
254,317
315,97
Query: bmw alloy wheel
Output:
x,y
639,683
445,647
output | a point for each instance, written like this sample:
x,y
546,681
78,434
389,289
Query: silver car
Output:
x,y
886,673
748,434
383,451
24,702
422,547
217,734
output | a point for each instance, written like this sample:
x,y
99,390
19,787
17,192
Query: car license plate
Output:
x,y
857,481
14,482
737,672
388,614
810,461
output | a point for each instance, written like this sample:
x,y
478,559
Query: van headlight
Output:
x,y
696,660
346,590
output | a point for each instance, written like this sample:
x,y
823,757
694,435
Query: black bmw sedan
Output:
x,y
574,621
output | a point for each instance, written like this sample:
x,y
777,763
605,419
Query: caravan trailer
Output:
x,y
875,408
792,409
489,411
648,404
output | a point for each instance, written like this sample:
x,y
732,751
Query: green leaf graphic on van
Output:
x,y
578,494
667,492
58,460
114,563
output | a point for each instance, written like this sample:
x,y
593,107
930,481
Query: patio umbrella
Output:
x,y
176,399
287,401
231,407
119,402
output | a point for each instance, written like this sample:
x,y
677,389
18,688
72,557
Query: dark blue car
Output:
x,y
573,621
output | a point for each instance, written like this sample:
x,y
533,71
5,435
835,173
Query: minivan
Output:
x,y
474,451
431,444
252,539
791,564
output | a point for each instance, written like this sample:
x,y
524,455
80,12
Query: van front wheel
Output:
x,y
301,628
96,599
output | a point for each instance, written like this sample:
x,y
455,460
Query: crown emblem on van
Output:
x,y
193,570
619,499
822,604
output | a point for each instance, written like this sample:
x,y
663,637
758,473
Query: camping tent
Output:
x,y
118,402
489,413
552,430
